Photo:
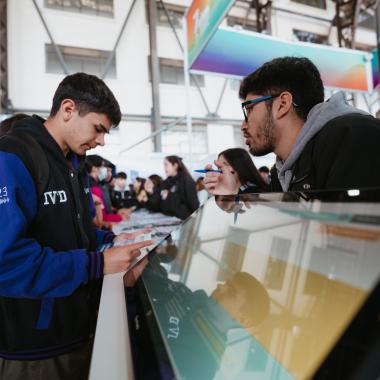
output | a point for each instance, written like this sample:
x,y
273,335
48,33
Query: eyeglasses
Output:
x,y
253,102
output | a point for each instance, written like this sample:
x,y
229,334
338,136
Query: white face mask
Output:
x,y
102,173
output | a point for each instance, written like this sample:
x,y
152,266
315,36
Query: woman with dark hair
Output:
x,y
239,174
140,193
153,188
178,192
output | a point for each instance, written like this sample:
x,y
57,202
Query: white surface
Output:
x,y
111,357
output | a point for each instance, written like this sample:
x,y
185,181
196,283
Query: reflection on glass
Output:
x,y
269,296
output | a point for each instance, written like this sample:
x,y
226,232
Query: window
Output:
x,y
176,141
175,13
95,7
313,3
367,20
304,36
242,23
89,61
171,72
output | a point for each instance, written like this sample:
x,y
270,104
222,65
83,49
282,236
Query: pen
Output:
x,y
208,171
237,200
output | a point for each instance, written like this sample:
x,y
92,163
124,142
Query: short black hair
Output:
x,y
90,94
297,75
121,175
93,160
264,169
156,179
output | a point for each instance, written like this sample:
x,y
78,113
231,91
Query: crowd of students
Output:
x,y
114,200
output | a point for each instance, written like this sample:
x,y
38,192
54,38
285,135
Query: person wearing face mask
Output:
x,y
98,173
122,198
239,174
178,192
106,184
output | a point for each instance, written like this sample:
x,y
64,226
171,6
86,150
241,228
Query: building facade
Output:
x,y
86,33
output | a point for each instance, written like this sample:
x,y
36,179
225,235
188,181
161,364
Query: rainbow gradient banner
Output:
x,y
375,68
202,20
236,53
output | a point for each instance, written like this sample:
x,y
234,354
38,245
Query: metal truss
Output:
x,y
262,11
347,15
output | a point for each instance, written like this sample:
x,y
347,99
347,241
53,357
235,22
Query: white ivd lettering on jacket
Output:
x,y
53,197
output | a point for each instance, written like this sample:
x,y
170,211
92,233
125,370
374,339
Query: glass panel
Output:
x,y
54,4
176,141
263,287
313,3
95,7
304,36
79,60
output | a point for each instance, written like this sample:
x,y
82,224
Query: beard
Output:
x,y
266,133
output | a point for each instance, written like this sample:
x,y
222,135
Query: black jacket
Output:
x,y
343,155
182,199
54,245
123,199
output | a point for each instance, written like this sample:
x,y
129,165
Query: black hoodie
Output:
x,y
51,308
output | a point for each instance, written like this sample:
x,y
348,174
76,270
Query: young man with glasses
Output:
x,y
319,145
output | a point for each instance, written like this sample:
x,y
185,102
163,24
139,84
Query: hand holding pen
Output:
x,y
220,181
211,180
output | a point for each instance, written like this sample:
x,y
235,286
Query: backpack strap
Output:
x,y
32,155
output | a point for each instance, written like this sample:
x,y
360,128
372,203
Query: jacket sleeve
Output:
x,y
190,196
347,154
103,237
28,270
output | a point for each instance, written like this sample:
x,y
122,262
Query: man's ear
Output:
x,y
67,109
283,105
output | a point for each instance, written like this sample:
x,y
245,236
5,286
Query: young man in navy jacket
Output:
x,y
50,265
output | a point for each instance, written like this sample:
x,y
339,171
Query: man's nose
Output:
x,y
100,139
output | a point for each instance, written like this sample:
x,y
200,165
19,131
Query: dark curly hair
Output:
x,y
297,75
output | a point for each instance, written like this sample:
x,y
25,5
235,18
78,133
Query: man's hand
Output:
x,y
131,235
118,259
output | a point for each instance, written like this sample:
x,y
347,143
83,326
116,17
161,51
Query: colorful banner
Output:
x,y
375,68
202,20
237,53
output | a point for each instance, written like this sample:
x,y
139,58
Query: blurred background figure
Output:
x,y
178,195
153,189
106,184
201,190
265,174
97,173
239,174
121,196
140,193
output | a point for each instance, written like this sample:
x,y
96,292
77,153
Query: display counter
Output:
x,y
269,286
